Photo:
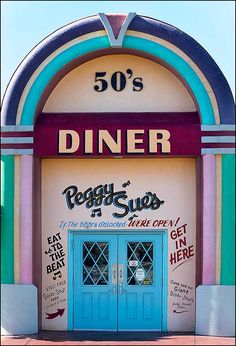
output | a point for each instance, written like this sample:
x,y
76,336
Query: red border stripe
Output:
x,y
17,146
17,134
218,145
217,133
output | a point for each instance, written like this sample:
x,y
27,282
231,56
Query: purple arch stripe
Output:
x,y
141,24
200,57
38,55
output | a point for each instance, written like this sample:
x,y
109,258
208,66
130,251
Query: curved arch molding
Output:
x,y
158,39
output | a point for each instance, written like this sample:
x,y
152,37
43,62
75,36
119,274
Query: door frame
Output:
x,y
70,269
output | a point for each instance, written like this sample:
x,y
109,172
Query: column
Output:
x,y
209,220
25,222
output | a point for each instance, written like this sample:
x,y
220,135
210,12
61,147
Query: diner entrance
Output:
x,y
117,281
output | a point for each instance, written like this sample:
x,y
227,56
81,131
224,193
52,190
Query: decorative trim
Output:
x,y
116,42
199,219
17,128
164,327
16,221
17,140
70,268
39,69
182,69
37,233
37,56
186,58
227,276
218,216
96,54
218,139
138,44
26,198
218,127
196,53
217,151
209,220
141,24
51,70
17,151
7,219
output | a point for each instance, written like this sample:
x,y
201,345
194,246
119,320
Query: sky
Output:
x,y
25,23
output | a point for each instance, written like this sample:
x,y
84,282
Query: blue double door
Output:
x,y
118,282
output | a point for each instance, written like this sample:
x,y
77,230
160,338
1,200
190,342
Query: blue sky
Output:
x,y
25,23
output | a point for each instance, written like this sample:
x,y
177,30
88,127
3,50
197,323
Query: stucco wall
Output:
x,y
162,90
173,181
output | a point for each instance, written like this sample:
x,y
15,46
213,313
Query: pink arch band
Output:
x,y
209,220
25,222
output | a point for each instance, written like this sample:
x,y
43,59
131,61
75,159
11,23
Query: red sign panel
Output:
x,y
117,134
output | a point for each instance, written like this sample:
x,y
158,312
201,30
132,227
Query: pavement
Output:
x,y
121,338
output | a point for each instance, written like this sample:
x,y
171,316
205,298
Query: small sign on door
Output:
x,y
133,263
140,275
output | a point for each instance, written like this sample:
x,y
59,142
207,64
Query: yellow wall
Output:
x,y
162,91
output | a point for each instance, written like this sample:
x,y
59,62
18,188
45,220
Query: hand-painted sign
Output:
x,y
182,296
106,195
98,184
59,312
56,254
183,251
116,134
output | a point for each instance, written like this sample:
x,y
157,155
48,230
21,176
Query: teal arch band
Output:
x,y
182,67
139,44
53,67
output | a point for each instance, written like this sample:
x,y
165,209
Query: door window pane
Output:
x,y
95,263
140,263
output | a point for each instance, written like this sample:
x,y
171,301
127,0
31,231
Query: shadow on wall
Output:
x,y
102,336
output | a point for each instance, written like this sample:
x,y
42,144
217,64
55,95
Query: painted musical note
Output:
x,y
126,184
132,217
58,273
49,251
96,212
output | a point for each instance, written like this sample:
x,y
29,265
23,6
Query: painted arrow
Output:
x,y
59,312
178,312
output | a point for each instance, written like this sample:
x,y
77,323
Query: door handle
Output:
x,y
121,273
121,278
114,278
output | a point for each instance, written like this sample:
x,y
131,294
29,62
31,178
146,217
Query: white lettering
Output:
x,y
137,141
132,141
114,146
70,136
163,141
